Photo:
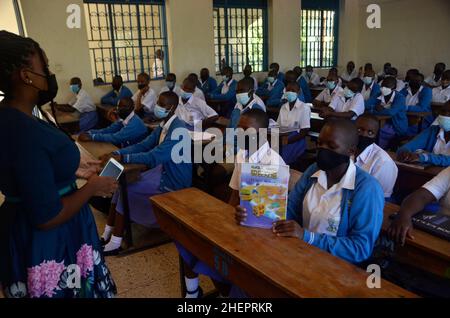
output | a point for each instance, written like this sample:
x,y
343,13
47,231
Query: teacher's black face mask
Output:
x,y
48,95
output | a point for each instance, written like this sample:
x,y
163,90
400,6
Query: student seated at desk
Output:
x,y
82,103
171,85
348,104
193,110
331,90
418,96
248,74
145,97
294,114
390,103
441,94
304,87
312,78
164,175
278,75
255,119
373,159
386,67
393,72
198,92
118,92
291,77
207,84
226,91
367,67
431,146
434,80
371,89
126,131
272,89
349,73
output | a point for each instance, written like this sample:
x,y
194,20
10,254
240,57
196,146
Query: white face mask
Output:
x,y
385,91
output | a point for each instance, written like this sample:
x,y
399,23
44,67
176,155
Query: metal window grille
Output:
x,y
126,38
240,34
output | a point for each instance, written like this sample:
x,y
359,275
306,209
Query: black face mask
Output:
x,y
414,85
123,112
247,73
328,160
47,96
365,142
141,86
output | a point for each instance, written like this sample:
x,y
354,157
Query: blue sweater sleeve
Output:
x,y
275,95
397,106
125,93
114,127
109,99
263,90
212,84
146,145
421,141
435,160
126,134
424,104
228,96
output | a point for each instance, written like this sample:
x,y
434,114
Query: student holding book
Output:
x,y
431,146
127,130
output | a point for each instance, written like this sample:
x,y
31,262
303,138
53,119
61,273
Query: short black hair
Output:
x,y
173,75
172,98
247,84
259,115
76,80
359,83
128,101
392,71
370,117
144,75
348,129
390,82
118,77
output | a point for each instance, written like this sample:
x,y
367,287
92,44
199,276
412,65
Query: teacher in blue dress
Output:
x,y
49,246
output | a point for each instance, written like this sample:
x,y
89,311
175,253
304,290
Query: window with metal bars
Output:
x,y
319,29
126,38
240,34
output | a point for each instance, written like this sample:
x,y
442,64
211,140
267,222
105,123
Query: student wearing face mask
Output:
x,y
171,84
126,131
349,73
349,104
206,83
371,89
193,110
81,102
145,98
276,68
118,92
226,91
312,78
390,103
272,89
434,80
431,146
393,72
248,74
164,175
197,92
332,89
291,77
304,87
418,96
294,114
373,159
441,94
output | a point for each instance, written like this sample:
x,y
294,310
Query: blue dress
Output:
x,y
37,167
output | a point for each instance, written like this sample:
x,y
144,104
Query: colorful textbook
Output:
x,y
263,193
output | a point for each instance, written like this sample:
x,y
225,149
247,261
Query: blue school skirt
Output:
x,y
291,152
88,121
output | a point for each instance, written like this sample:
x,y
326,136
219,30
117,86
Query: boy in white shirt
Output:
x,y
373,159
349,73
441,94
171,85
198,92
145,97
434,80
349,104
312,78
192,110
332,89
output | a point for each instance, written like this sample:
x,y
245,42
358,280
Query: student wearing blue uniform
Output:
x,y
371,89
304,87
118,92
291,77
46,224
207,84
431,146
278,75
226,91
272,89
126,131
390,103
164,175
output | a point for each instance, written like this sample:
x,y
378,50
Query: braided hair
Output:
x,y
15,53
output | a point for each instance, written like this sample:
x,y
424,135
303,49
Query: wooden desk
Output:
x,y
317,123
426,251
416,118
316,90
436,108
382,119
254,259
70,122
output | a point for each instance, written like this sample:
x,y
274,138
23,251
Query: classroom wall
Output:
x,y
8,19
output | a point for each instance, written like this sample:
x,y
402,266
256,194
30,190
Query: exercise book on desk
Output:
x,y
437,224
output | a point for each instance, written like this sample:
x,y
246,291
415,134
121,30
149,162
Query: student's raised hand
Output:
x,y
84,137
400,229
102,186
288,229
240,215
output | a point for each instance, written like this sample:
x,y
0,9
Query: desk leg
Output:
x,y
182,274
126,208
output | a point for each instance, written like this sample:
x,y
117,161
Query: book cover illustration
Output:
x,y
263,193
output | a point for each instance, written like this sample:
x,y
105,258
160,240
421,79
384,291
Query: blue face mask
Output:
x,y
367,80
291,96
75,88
271,79
185,95
160,112
331,85
170,85
348,93
243,98
444,122
226,79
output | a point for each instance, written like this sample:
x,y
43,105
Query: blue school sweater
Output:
x,y
113,99
121,135
426,141
425,97
275,94
361,219
305,90
374,94
230,96
208,86
397,111
175,176
280,77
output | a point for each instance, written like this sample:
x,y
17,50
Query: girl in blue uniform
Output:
x,y
46,227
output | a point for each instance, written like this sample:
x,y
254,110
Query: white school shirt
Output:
x,y
322,206
199,94
355,104
348,77
264,155
387,104
299,117
157,69
82,102
441,95
256,100
431,81
176,89
400,85
412,100
226,86
367,91
377,162
326,95
441,147
314,80
194,111
148,100
165,128
439,186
